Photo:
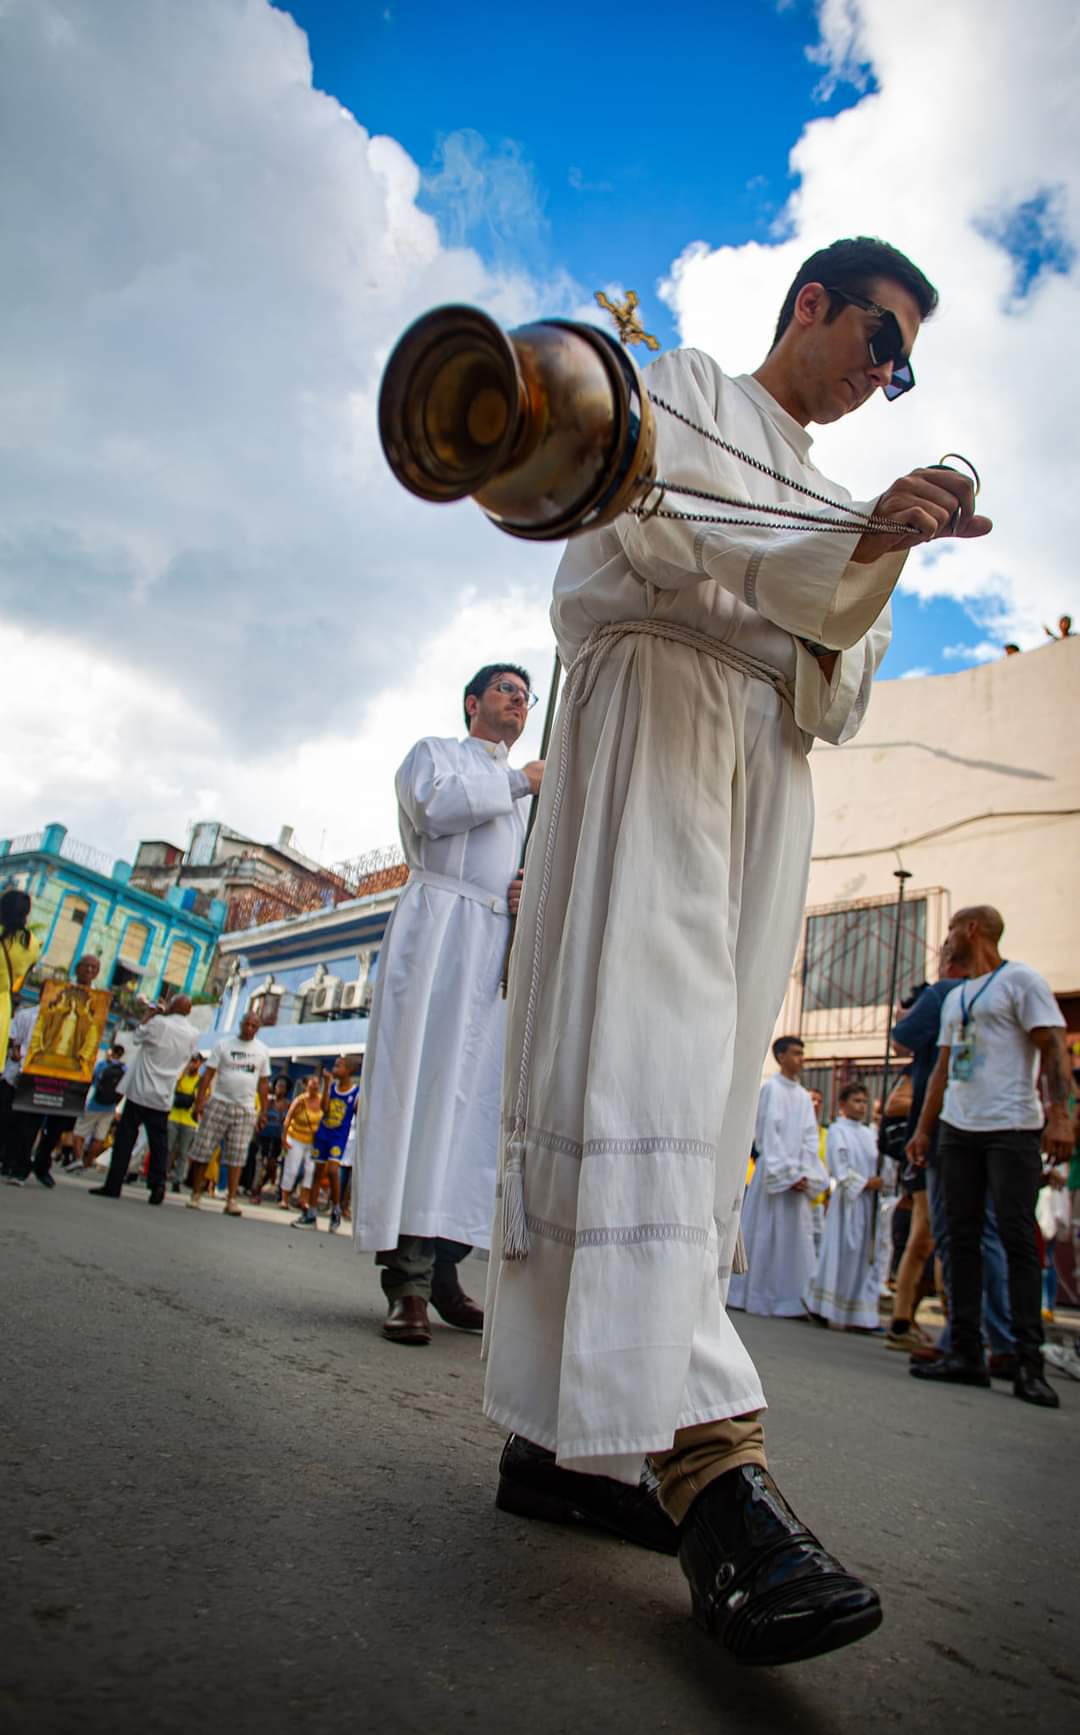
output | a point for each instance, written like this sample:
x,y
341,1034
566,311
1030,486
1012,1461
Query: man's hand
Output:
x,y
933,502
917,1150
1057,1139
802,1186
534,771
874,1184
513,895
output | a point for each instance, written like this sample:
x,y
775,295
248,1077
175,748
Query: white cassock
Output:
x,y
428,1121
844,1287
778,1223
664,890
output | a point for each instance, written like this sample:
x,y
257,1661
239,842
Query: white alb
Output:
x,y
662,906
428,1117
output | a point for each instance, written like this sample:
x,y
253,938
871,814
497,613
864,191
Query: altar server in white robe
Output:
x,y
428,1134
777,1215
844,1287
661,911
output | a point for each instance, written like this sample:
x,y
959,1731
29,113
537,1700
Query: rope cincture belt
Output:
x,y
580,680
460,889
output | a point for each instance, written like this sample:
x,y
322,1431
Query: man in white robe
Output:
x,y
777,1216
844,1288
428,1123
661,911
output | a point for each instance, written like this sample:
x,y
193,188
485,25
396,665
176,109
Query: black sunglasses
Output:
x,y
885,344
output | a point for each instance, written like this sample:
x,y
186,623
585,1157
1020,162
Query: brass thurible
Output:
x,y
549,427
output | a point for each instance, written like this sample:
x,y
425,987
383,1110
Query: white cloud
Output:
x,y
112,745
969,138
983,652
913,674
219,595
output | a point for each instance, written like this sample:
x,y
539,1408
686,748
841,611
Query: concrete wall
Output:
x,y
972,782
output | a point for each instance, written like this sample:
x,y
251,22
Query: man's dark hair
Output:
x,y
912,995
855,1087
783,1043
854,265
483,678
14,910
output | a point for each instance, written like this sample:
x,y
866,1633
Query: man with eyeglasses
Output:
x,y
654,949
428,1122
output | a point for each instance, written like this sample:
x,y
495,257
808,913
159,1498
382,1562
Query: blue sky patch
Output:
x,y
1032,234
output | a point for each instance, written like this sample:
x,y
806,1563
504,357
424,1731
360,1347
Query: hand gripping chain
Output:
x,y
856,522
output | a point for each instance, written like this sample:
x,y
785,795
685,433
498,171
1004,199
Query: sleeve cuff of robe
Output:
x,y
519,785
827,598
833,710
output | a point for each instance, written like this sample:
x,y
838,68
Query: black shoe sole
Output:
x,y
844,1630
526,1502
411,1340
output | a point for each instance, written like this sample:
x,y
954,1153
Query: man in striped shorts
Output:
x,y
239,1072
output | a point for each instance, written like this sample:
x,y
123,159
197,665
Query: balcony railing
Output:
x,y
84,855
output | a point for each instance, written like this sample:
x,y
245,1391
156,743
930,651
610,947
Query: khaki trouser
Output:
x,y
700,1454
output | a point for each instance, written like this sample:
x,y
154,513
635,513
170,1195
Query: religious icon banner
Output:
x,y
59,1058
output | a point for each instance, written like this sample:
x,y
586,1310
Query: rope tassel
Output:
x,y
515,1226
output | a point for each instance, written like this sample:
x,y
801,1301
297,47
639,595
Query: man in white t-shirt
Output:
x,y
995,1029
239,1072
161,1048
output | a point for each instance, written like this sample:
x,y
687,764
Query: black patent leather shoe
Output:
x,y
1032,1385
951,1370
532,1485
760,1583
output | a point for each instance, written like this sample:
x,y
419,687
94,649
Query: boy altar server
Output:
x,y
844,1288
777,1218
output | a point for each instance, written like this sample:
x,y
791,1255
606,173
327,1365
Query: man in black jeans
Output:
x,y
995,1028
163,1044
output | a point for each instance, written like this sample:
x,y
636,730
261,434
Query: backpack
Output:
x,y
107,1088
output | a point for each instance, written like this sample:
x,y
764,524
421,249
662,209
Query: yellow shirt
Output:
x,y
16,958
185,1117
306,1120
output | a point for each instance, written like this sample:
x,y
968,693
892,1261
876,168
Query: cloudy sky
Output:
x,y
217,215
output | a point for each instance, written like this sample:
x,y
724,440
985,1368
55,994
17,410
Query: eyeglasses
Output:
x,y
513,691
885,344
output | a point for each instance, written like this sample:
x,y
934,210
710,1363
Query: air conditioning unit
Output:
x,y
352,996
325,999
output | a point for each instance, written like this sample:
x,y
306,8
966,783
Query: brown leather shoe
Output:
x,y
407,1321
457,1308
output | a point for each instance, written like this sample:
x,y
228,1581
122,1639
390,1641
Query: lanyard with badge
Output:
x,y
962,1053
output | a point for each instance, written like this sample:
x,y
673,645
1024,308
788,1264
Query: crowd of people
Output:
x,y
988,1175
158,1110
593,1129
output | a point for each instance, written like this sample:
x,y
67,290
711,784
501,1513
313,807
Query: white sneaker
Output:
x,y
1056,1356
194,1204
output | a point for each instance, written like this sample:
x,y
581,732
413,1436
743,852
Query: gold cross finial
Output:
x,y
627,319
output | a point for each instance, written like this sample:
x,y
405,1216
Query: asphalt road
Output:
x,y
229,1505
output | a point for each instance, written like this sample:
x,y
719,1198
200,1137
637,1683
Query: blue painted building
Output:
x,y
310,979
83,903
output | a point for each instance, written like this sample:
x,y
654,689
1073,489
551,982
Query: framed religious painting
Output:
x,y
58,1062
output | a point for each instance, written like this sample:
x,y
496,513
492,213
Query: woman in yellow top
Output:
x,y
298,1135
19,951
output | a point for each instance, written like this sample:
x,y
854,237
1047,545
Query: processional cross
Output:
x,y
628,319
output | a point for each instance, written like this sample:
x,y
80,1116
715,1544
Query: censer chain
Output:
x,y
856,522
